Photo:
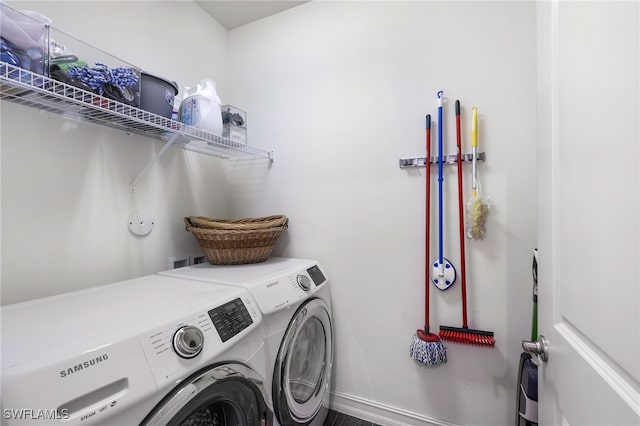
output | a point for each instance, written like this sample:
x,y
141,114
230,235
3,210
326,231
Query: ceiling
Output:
x,y
232,14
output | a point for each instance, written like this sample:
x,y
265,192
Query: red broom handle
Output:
x,y
427,259
463,274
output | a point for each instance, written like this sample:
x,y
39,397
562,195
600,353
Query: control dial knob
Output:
x,y
187,341
304,282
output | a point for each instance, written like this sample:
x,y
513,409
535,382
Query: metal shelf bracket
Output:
x,y
132,187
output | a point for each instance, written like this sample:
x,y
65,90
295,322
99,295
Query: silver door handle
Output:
x,y
539,347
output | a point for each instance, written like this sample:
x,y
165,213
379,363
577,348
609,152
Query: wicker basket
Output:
x,y
236,241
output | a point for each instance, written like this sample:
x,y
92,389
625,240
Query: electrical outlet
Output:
x,y
178,262
197,259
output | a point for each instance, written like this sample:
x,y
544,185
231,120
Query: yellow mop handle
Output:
x,y
474,127
474,149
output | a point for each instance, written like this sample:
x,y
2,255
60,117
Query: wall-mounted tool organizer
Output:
x,y
446,159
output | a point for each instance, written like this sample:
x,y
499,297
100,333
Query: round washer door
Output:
x,y
227,394
302,369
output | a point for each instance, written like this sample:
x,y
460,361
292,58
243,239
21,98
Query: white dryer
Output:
x,y
153,351
294,297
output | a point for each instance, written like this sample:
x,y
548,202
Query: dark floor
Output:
x,y
338,419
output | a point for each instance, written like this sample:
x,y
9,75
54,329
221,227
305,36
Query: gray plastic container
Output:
x,y
157,94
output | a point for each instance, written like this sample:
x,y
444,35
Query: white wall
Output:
x,y
65,184
340,91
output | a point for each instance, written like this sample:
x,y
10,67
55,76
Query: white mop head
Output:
x,y
428,353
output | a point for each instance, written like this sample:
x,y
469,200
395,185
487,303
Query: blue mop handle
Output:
x,y
440,179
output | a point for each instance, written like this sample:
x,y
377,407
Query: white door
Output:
x,y
589,211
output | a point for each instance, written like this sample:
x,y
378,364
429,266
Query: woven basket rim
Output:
x,y
263,222
237,232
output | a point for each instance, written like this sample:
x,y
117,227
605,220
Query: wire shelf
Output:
x,y
37,91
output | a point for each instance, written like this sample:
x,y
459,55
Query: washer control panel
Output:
x,y
230,318
188,341
179,346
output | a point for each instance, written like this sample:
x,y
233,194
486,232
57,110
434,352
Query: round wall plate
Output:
x,y
140,223
447,279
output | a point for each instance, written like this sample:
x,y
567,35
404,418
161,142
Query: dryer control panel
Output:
x,y
282,291
316,275
312,274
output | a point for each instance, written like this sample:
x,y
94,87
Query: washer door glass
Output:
x,y
303,367
227,394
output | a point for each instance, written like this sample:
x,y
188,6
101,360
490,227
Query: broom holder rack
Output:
x,y
408,162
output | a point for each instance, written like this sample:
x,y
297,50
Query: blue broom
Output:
x,y
426,347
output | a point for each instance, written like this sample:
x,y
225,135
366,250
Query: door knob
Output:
x,y
539,347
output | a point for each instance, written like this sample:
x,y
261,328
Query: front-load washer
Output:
x,y
155,350
295,300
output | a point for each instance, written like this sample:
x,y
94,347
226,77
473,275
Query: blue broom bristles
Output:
x,y
427,353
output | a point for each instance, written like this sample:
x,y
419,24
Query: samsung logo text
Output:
x,y
83,366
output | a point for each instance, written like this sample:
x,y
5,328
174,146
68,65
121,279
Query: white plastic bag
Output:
x,y
24,29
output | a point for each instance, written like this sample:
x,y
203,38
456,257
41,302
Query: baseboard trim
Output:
x,y
379,413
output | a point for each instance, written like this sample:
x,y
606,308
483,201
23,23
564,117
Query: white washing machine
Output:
x,y
152,351
294,297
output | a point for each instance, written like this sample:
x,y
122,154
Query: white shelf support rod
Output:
x,y
132,187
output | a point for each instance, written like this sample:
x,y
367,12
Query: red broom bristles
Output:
x,y
467,336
